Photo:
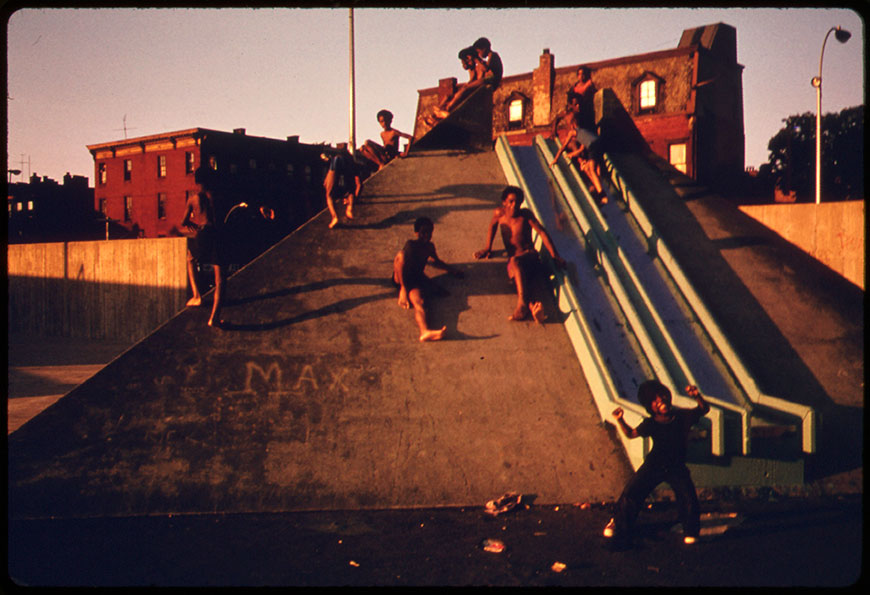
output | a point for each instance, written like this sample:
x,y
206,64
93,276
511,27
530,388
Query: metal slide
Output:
x,y
632,314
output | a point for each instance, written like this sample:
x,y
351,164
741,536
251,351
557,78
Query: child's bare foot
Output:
x,y
521,313
333,223
433,335
215,323
537,309
349,212
194,301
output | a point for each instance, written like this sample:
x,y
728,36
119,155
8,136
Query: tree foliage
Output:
x,y
792,160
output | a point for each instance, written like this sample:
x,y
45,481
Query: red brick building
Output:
x,y
686,102
143,183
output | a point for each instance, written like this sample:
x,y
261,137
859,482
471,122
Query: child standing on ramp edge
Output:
x,y
669,428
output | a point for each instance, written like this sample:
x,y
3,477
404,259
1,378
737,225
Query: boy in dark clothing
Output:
x,y
409,275
342,182
669,428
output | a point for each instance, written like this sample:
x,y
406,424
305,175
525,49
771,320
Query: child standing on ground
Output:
x,y
669,428
409,275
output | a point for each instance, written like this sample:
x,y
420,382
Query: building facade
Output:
x,y
143,183
45,211
686,102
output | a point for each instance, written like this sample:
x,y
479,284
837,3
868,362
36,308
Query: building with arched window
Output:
x,y
686,102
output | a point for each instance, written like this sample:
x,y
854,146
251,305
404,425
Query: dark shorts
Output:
x,y
528,262
206,246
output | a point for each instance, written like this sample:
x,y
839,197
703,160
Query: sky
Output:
x,y
85,76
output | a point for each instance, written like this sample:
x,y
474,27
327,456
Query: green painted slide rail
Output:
x,y
658,347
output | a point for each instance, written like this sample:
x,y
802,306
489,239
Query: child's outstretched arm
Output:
x,y
436,262
627,430
693,392
493,226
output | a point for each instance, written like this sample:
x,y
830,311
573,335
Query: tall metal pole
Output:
x,y
842,36
352,92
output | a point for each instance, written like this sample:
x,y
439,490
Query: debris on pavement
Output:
x,y
504,504
558,567
493,545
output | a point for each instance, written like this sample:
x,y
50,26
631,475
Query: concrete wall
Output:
x,y
111,290
833,233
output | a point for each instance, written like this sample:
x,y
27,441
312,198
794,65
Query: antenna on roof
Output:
x,y
125,127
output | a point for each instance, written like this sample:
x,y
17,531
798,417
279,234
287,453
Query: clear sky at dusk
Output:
x,y
74,74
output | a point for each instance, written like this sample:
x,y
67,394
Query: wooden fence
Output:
x,y
108,290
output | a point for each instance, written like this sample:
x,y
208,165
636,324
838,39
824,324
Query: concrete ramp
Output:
x,y
319,396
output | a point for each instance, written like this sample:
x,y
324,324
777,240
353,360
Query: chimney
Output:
x,y
293,139
542,89
240,131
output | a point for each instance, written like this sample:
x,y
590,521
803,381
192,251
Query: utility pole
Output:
x,y
352,92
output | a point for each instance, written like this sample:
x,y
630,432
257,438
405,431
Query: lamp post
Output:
x,y
842,36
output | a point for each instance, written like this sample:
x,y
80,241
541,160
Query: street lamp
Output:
x,y
842,36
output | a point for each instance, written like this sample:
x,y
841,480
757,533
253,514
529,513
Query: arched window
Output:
x,y
648,91
515,110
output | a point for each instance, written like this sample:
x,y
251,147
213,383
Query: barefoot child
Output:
x,y
199,217
381,155
524,266
409,275
342,182
669,428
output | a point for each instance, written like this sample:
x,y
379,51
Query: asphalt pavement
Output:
x,y
772,542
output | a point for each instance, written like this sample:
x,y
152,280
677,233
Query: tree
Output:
x,y
791,164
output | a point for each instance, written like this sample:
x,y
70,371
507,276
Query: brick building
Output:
x,y
143,183
686,102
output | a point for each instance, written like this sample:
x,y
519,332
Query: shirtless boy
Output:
x,y
476,69
524,266
381,155
566,128
409,274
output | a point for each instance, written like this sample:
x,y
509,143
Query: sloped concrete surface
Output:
x,y
318,395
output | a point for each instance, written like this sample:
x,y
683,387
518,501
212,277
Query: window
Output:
x,y
212,162
128,208
233,168
19,206
677,156
252,163
103,207
101,173
307,173
189,162
161,166
29,205
161,205
128,169
647,94
515,110
290,170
